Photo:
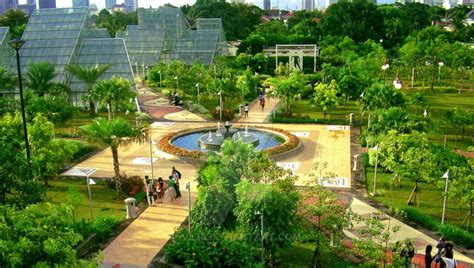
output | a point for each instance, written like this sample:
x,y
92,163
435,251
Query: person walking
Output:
x,y
448,257
262,103
246,110
428,257
441,248
177,177
160,190
171,192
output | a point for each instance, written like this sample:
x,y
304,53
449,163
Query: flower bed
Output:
x,y
166,146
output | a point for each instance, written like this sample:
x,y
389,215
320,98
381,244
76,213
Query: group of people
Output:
x,y
160,190
444,257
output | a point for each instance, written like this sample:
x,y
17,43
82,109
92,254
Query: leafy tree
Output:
x,y
374,245
48,155
461,188
419,15
409,157
8,83
114,93
395,118
411,55
56,108
117,21
239,20
18,186
252,45
417,99
16,20
41,77
247,82
380,96
359,20
275,205
114,133
326,213
460,119
326,97
39,236
89,76
288,88
395,25
74,200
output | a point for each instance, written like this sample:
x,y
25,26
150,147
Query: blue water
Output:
x,y
190,141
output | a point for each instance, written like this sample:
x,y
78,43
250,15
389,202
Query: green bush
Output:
x,y
227,115
278,119
450,232
457,235
423,219
208,248
103,226
365,160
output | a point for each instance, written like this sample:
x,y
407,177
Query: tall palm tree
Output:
x,y
114,133
90,76
41,79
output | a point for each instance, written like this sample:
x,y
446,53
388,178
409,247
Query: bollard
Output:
x,y
356,161
130,205
352,119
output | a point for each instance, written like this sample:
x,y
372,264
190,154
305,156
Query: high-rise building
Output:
x,y
308,5
5,5
110,3
131,5
46,4
266,5
80,3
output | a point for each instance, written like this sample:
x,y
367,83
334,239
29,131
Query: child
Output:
x,y
246,110
171,192
428,257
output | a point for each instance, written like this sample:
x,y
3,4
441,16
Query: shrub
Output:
x,y
208,248
451,232
227,115
365,160
128,183
103,226
457,235
278,119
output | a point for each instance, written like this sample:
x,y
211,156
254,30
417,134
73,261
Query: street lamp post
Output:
x,y
385,68
261,232
197,86
177,82
243,86
220,105
159,72
440,64
445,176
376,148
16,44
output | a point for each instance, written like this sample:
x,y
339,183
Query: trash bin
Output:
x,y
130,204
352,119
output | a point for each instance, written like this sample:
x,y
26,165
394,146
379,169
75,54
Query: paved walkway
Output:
x,y
256,115
421,240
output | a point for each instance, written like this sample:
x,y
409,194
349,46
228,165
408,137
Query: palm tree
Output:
x,y
113,92
114,134
41,79
90,76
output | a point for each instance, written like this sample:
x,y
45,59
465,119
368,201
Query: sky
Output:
x,y
283,4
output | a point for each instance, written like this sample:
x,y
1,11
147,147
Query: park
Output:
x,y
149,139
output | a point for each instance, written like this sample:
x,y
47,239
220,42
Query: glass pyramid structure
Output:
x,y
6,52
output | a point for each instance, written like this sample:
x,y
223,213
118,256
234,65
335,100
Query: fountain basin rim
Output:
x,y
165,144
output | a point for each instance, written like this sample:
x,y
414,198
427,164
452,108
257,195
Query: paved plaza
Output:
x,y
139,243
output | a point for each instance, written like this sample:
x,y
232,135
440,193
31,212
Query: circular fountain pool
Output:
x,y
212,140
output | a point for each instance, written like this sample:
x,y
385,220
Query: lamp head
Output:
x,y
16,43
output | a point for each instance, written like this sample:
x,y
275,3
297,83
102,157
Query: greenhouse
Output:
x,y
101,51
6,52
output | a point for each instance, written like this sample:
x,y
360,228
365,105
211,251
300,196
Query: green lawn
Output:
x,y
103,198
431,198
301,255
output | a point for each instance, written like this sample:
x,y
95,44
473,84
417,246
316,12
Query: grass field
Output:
x,y
431,198
103,198
301,255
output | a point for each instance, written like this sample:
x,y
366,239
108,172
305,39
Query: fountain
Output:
x,y
214,141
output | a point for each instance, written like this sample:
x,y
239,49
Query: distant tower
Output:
x,y
80,3
131,5
46,4
308,5
110,3
266,5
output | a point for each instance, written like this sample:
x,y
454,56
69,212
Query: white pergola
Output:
x,y
299,49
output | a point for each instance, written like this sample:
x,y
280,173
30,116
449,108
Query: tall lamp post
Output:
x,y
220,105
385,68
445,176
376,148
16,44
159,72
197,86
177,82
440,64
